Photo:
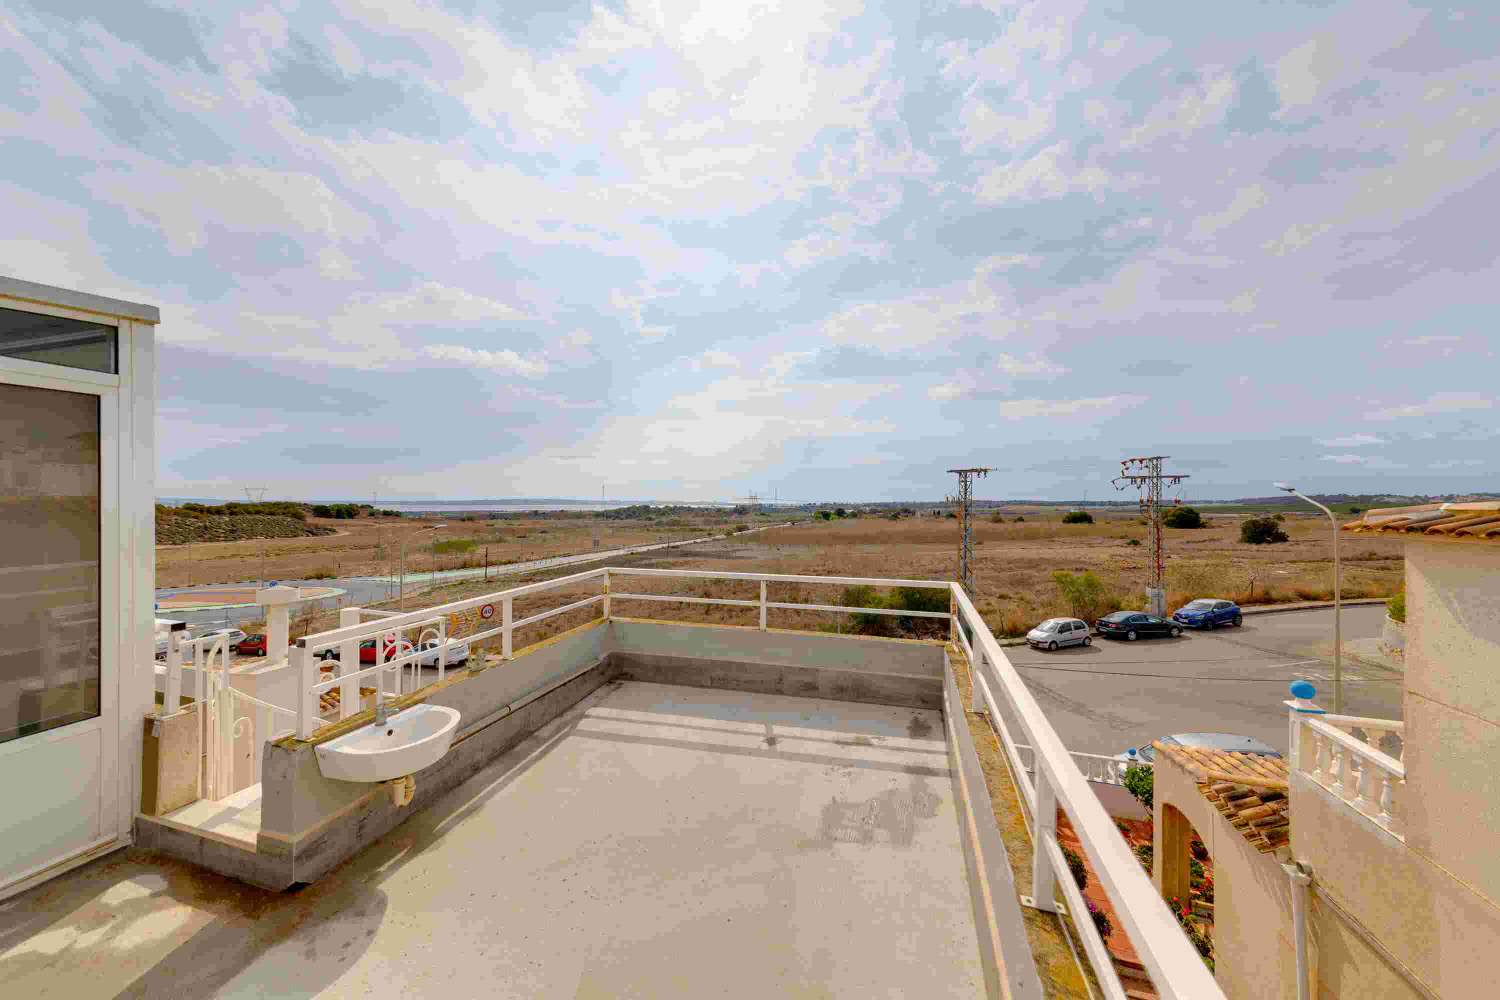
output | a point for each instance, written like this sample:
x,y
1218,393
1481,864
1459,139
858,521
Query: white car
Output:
x,y
458,654
1054,633
234,634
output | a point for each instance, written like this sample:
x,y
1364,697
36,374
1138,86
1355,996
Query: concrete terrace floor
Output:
x,y
656,841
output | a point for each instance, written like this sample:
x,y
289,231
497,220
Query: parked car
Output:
x,y
1057,632
390,650
458,654
1136,625
1208,612
235,635
1204,741
251,645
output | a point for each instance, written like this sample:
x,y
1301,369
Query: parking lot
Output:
x,y
1115,694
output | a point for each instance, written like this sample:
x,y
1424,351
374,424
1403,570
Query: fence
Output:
x,y
1363,771
1049,779
1096,767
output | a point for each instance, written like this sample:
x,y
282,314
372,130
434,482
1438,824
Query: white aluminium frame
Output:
x,y
127,566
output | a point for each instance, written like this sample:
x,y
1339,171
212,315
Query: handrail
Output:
x,y
1359,747
1171,961
847,581
1357,773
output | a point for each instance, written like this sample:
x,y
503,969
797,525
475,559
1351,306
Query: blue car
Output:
x,y
1208,612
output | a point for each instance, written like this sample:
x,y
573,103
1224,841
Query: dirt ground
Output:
x,y
1014,564
372,546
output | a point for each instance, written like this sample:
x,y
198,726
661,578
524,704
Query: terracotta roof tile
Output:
x,y
1249,790
1478,519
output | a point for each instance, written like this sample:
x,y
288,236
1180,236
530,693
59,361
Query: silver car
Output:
x,y
1054,633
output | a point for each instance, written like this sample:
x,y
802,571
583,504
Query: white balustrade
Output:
x,y
1343,754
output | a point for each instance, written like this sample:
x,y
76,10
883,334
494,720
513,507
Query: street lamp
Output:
x,y
1338,641
402,591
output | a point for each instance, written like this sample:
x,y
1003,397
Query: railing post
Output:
x,y
762,605
349,700
606,609
305,669
1043,832
976,667
507,616
172,700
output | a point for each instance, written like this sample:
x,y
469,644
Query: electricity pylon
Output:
x,y
1144,473
965,501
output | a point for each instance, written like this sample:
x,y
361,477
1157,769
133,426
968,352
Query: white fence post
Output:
x,y
762,605
349,700
172,699
507,618
976,667
305,669
1043,831
606,605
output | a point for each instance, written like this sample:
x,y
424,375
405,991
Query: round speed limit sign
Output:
x,y
487,612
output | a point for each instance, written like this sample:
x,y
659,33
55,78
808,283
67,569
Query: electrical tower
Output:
x,y
965,501
1144,473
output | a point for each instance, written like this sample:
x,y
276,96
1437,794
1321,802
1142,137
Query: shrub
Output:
x,y
841,512
864,597
1134,541
1084,592
1077,867
1396,606
452,546
1078,517
826,515
1140,782
997,518
1144,854
1101,920
1261,531
1182,517
1020,520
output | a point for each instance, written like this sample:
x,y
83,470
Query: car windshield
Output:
x,y
1198,606
1051,625
1118,616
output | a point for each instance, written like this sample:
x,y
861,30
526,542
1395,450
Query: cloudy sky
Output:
x,y
827,249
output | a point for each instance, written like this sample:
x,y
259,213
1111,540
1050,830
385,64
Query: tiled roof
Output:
x,y
1476,519
1248,789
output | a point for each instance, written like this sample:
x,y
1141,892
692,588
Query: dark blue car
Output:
x,y
1208,612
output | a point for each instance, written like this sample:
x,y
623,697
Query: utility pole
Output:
x,y
965,501
257,494
1144,473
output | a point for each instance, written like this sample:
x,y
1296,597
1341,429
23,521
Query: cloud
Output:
x,y
1050,173
1155,368
1435,405
1031,366
1366,461
505,361
1352,441
336,453
1024,409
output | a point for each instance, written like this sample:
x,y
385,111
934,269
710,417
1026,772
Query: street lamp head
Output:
x,y
1285,487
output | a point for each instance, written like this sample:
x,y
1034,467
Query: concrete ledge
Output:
x,y
903,690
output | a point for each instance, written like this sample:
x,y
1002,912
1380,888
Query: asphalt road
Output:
x,y
1115,694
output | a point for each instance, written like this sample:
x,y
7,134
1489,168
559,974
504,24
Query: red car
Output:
x,y
251,645
367,651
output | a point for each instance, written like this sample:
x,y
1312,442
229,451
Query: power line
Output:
x,y
1144,473
965,500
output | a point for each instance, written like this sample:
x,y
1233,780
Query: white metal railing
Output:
x,y
1097,767
225,713
1353,768
1054,782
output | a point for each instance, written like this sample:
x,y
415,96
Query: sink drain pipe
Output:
x,y
402,790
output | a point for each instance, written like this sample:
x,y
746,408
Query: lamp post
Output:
x,y
402,585
1338,641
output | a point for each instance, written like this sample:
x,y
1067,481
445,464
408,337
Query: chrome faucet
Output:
x,y
380,713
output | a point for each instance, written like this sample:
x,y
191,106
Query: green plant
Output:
x,y
1133,541
1101,919
453,546
826,515
1078,517
864,597
1261,531
321,574
1019,519
1140,782
1077,867
1144,854
1182,517
1084,592
1396,606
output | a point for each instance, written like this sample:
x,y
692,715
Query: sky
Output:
x,y
822,250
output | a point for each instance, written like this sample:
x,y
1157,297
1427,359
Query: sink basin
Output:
x,y
409,741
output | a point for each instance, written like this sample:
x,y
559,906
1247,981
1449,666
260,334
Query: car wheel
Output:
x,y
1176,632
1130,635
1087,641
1238,621
1052,646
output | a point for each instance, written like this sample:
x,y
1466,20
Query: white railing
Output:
x,y
225,713
1098,767
1056,781
1353,768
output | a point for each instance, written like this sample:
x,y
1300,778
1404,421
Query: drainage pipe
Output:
x,y
1300,880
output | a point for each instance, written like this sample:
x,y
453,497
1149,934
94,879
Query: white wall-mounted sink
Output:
x,y
409,741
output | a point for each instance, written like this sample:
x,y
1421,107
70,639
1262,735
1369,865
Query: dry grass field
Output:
x,y
372,546
1014,570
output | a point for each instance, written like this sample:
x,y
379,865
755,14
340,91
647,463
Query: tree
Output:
x,y
825,515
1085,593
1141,783
1182,517
841,512
1078,517
1261,531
